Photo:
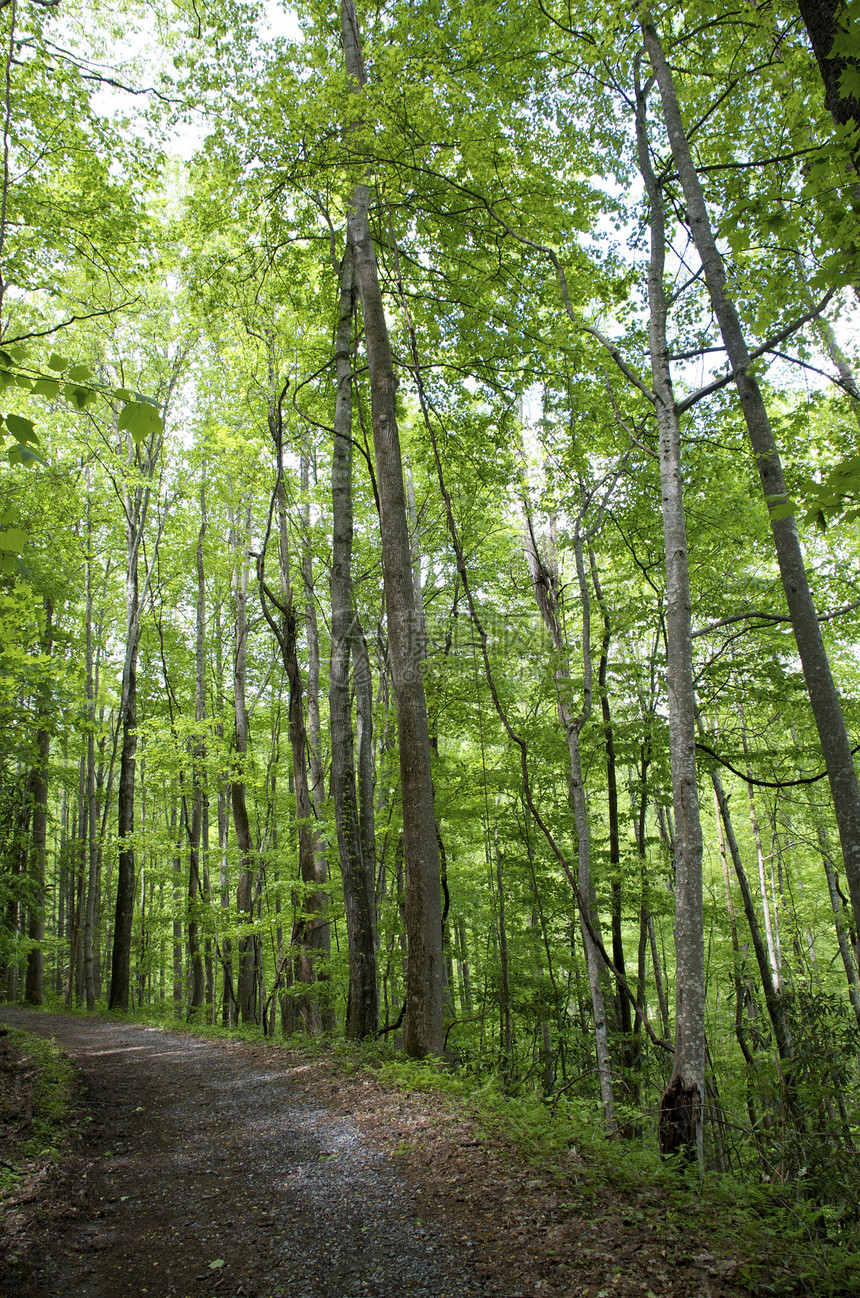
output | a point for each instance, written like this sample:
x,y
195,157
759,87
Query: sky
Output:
x,y
140,47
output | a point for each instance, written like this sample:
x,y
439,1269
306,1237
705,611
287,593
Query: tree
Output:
x,y
423,1029
347,644
823,697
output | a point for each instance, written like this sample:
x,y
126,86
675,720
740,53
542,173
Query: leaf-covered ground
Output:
x,y
197,1167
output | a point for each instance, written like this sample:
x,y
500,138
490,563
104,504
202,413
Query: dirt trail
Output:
x,y
295,1180
208,1171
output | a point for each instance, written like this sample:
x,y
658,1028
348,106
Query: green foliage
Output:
x,y
51,1076
488,133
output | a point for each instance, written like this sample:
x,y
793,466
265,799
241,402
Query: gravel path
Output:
x,y
208,1174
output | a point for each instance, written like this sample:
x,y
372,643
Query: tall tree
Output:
x,y
34,986
246,992
823,696
682,1105
358,874
136,487
423,1027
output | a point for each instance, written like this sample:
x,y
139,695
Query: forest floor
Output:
x,y
240,1170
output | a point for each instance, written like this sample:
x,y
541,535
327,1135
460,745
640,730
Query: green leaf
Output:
x,y
46,388
217,1264
18,454
80,397
56,362
13,540
23,382
18,352
21,428
80,373
123,394
849,83
785,510
140,419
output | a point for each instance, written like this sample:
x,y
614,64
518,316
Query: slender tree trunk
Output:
x,y
823,697
136,503
773,1001
244,899
178,908
362,1017
197,989
506,1038
547,589
321,933
208,968
423,1027
76,889
311,928
34,990
62,889
622,998
93,854
125,892
228,998
682,1105
465,966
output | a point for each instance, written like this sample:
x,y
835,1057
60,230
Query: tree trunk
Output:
x,y
823,697
195,963
93,855
34,990
247,951
547,589
506,1036
136,503
622,998
120,984
311,932
824,20
225,945
682,1105
423,1027
773,1001
362,1018
178,908
321,933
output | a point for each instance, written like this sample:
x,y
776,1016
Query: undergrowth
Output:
x,y
785,1240
42,1133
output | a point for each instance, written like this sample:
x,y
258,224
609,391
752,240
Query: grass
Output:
x,y
52,1080
785,1240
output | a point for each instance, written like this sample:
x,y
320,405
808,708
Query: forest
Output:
x,y
430,593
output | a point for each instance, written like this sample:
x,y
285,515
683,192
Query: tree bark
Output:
x,y
547,589
362,1018
120,984
197,988
246,948
34,990
423,1026
623,1000
92,878
824,20
311,930
682,1105
773,1001
826,708
321,932
136,504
